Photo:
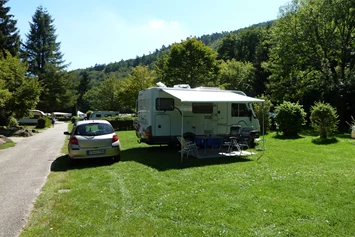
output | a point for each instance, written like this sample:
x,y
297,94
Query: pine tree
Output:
x,y
9,34
83,87
44,60
41,47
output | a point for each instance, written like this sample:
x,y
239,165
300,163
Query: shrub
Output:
x,y
74,119
121,122
88,113
12,122
44,122
290,117
324,118
262,112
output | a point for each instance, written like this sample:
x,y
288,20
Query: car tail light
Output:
x,y
148,132
74,141
114,138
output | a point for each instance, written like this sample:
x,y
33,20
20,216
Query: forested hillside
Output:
x,y
213,40
307,55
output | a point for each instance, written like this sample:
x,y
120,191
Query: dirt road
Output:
x,y
23,172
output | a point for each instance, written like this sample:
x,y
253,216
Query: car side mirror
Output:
x,y
66,133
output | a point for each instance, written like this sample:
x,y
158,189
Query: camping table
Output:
x,y
208,141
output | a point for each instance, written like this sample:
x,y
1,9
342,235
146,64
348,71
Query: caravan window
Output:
x,y
202,108
36,116
239,110
163,104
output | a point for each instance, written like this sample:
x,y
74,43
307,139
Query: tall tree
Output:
x,y
236,75
9,34
190,62
82,88
104,96
248,45
58,90
42,54
227,50
313,50
17,94
261,56
41,46
141,79
247,42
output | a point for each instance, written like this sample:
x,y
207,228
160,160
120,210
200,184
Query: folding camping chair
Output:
x,y
187,147
234,140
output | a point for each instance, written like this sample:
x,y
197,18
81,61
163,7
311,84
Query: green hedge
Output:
x,y
120,123
75,119
44,122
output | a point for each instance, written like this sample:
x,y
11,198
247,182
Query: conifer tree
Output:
x,y
82,88
44,60
41,47
9,34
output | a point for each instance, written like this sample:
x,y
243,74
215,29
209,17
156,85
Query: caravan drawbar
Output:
x,y
163,113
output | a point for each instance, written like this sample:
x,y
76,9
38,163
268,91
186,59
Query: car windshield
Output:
x,y
93,129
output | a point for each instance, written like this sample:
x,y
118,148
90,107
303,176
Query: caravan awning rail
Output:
x,y
191,95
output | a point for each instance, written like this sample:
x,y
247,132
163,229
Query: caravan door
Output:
x,y
162,125
222,114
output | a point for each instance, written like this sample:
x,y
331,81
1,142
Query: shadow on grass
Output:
x,y
282,137
161,158
342,135
309,132
164,158
62,163
324,141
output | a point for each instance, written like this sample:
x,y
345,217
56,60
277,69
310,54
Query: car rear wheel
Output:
x,y
72,161
117,158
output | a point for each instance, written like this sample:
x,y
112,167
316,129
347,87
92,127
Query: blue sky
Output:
x,y
105,31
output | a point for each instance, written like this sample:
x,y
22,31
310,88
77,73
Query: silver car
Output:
x,y
93,139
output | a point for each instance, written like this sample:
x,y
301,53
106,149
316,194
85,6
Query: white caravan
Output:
x,y
62,116
165,113
97,115
33,118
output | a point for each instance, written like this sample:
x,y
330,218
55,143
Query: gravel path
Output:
x,y
23,172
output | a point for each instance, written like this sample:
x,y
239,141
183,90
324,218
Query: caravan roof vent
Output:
x,y
184,86
161,84
239,92
207,88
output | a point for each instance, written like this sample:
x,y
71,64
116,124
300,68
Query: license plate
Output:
x,y
96,152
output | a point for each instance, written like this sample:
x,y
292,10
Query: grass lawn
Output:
x,y
299,187
7,145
